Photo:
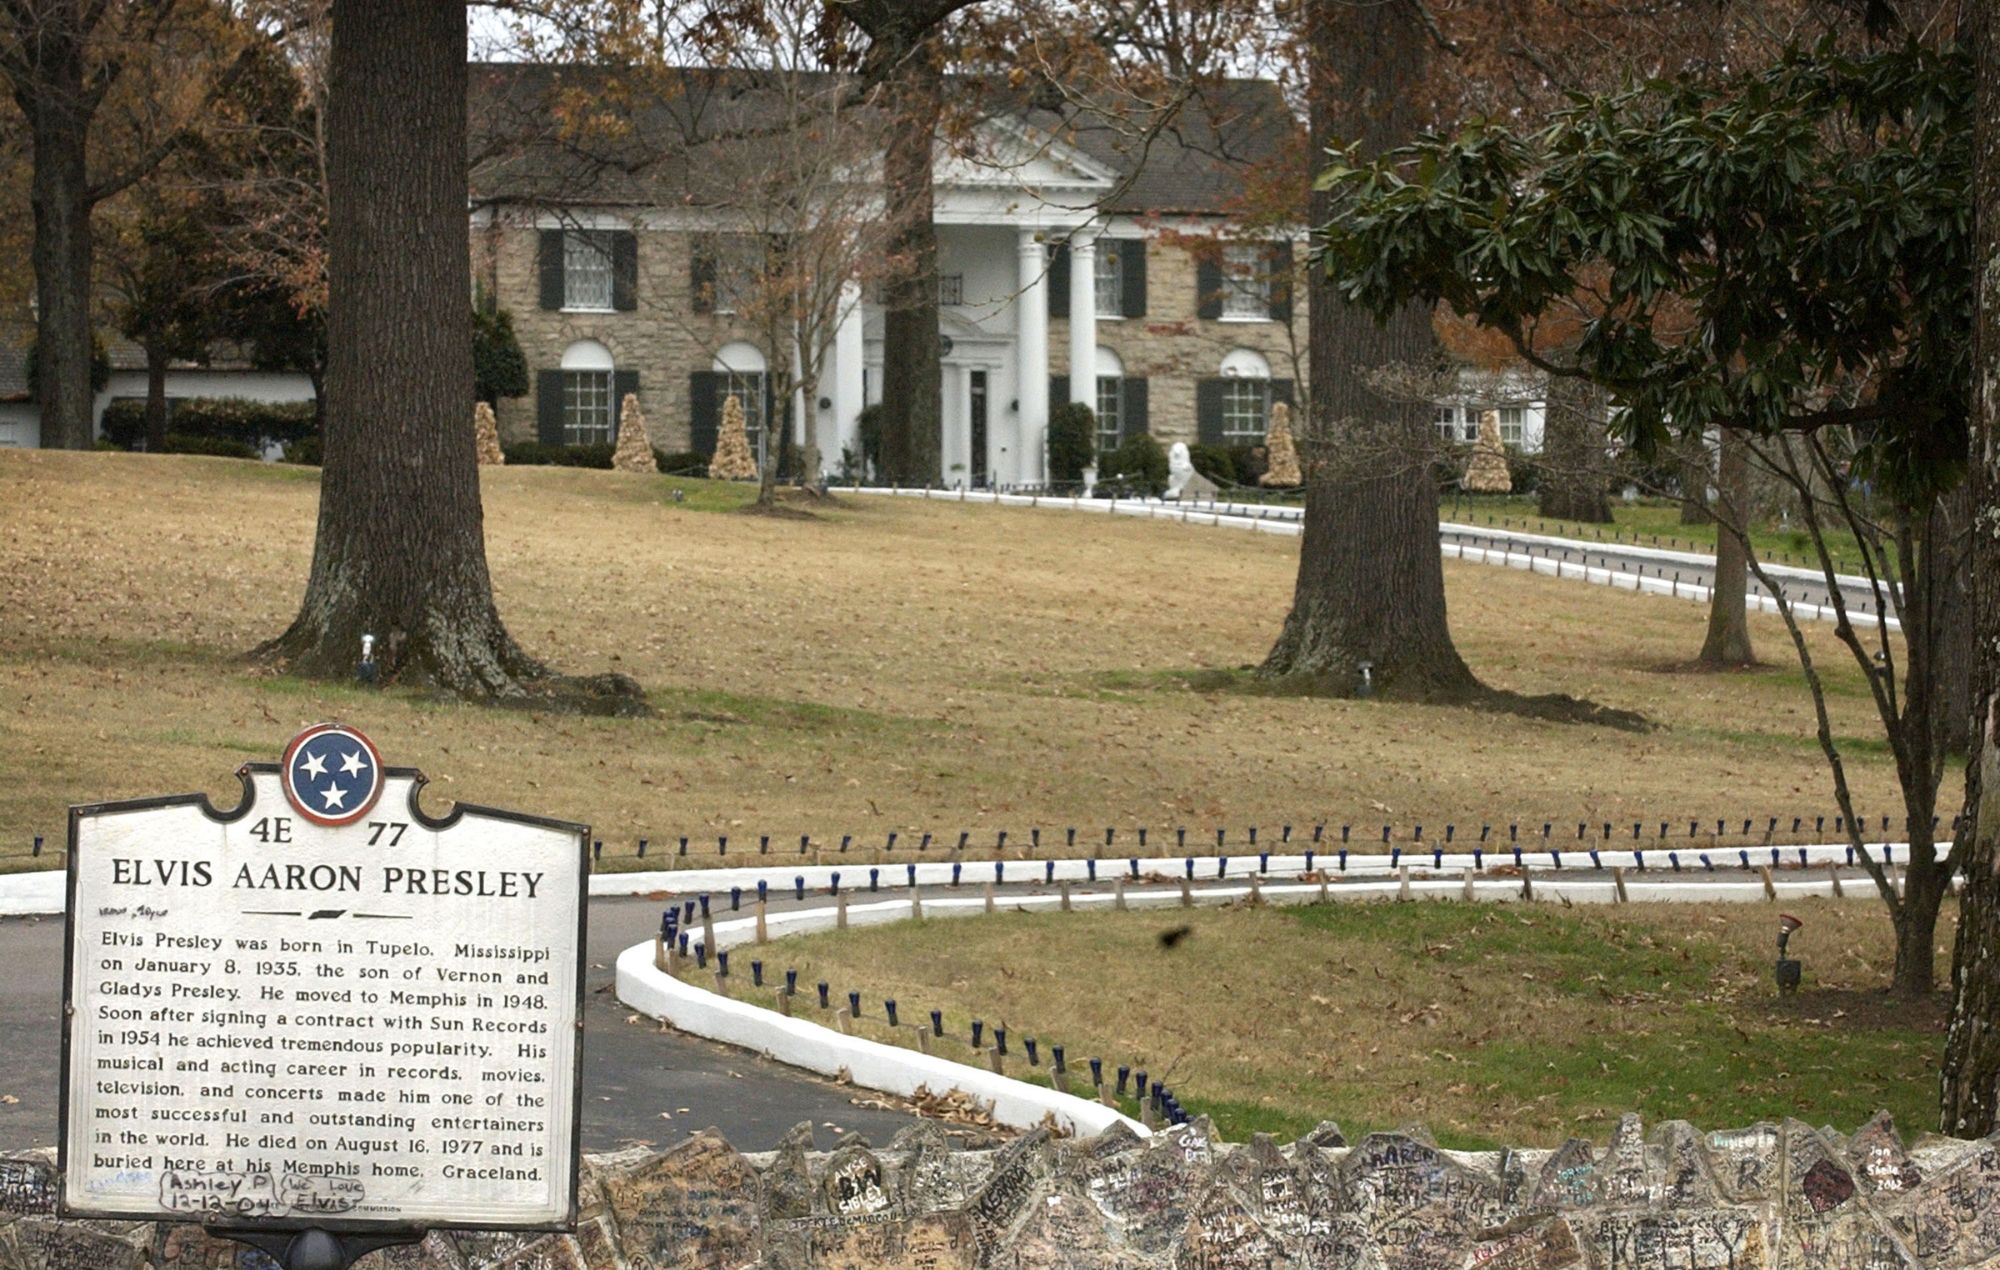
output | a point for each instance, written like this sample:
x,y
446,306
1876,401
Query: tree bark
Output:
x,y
1957,643
912,374
1697,466
1370,585
59,123
1572,478
400,552
156,400
1969,1095
1728,641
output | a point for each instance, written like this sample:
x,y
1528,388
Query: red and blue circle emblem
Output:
x,y
332,774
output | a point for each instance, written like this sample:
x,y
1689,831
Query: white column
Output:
x,y
848,360
1031,360
1083,319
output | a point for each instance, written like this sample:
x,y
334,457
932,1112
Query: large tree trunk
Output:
x,y
912,377
1572,464
59,125
1970,1091
1371,580
400,552
156,400
1948,542
1728,641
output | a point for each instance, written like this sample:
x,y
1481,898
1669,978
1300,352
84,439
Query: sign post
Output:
x,y
325,1021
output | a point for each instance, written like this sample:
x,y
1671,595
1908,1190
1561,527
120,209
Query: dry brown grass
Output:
x,y
1490,1023
888,665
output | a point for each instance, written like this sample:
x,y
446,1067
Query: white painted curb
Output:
x,y
1289,522
29,894
868,1064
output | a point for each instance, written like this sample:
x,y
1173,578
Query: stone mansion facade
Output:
x,y
1056,252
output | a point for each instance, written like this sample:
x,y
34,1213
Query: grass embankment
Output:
x,y
892,665
1490,1024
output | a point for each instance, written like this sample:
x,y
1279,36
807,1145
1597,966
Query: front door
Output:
x,y
977,401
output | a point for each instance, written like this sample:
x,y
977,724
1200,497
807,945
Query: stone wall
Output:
x,y
1773,1195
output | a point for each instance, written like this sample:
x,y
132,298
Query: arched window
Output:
x,y
1110,399
1246,397
742,366
589,413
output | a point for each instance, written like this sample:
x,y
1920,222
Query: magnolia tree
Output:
x,y
1781,256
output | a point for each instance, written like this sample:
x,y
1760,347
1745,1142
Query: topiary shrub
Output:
x,y
535,454
1139,466
1252,461
499,368
1072,442
1215,462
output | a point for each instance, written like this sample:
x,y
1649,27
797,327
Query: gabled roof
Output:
x,y
650,145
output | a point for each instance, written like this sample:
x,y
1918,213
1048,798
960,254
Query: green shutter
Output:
x,y
1281,281
1132,276
701,275
1208,410
1058,391
549,407
1132,398
550,263
622,383
704,411
624,270
1208,287
1057,281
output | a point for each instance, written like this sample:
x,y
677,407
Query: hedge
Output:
x,y
224,418
535,454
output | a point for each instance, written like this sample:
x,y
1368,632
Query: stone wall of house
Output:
x,y
1172,348
663,339
1773,1195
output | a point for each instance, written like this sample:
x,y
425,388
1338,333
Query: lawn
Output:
x,y
892,666
1489,1023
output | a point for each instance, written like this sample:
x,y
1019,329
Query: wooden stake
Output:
x,y
763,933
840,914
1118,894
1467,893
923,1037
785,1003
845,1021
999,1064
1187,894
1323,897
721,984
1527,884
989,897
660,953
1065,895
1770,890
916,906
1403,882
1833,876
1060,1080
1618,882
708,934
1256,892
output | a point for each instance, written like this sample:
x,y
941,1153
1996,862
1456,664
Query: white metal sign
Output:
x,y
324,1008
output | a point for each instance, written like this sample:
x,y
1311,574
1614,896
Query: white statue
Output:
x,y
1180,469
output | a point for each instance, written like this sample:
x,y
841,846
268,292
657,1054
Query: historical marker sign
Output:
x,y
324,1008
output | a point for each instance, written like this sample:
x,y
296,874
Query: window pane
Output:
x,y
1246,291
1446,418
586,407
1510,425
586,269
1245,411
1110,281
951,288
1109,412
